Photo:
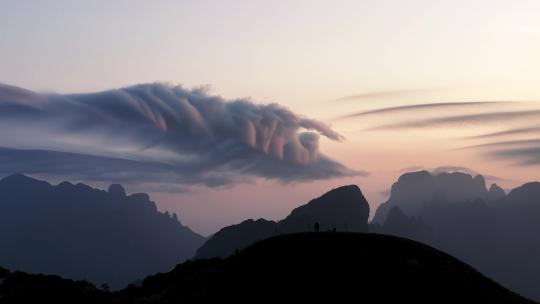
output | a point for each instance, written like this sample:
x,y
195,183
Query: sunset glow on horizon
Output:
x,y
365,91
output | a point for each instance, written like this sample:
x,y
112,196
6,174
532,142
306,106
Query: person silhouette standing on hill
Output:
x,y
316,226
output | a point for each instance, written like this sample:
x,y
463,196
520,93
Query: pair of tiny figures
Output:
x,y
317,227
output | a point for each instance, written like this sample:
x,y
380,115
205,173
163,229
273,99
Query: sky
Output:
x,y
225,111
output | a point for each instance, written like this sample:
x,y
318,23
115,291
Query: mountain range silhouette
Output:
x,y
109,237
414,189
80,232
454,212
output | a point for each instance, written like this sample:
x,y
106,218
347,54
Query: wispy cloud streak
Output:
x,y
426,106
480,118
384,94
518,131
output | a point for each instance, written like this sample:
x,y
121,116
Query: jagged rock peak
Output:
x,y
117,191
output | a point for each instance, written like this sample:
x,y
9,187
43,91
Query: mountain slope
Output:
x,y
83,233
497,233
234,237
334,266
344,209
20,287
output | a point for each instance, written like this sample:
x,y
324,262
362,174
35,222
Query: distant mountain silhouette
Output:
x,y
20,287
414,189
494,232
528,194
495,193
235,237
326,266
83,233
397,223
343,209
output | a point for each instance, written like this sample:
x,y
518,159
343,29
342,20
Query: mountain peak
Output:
x,y
480,180
18,177
343,208
414,176
117,191
18,180
525,194
495,192
350,189
414,189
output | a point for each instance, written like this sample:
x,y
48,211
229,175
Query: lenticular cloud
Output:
x,y
158,132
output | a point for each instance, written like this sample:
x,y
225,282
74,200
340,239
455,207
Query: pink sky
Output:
x,y
320,59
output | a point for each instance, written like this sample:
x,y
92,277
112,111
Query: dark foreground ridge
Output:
x,y
335,266
301,266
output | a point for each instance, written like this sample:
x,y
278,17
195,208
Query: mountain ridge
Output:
x,y
82,232
342,208
336,266
413,189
